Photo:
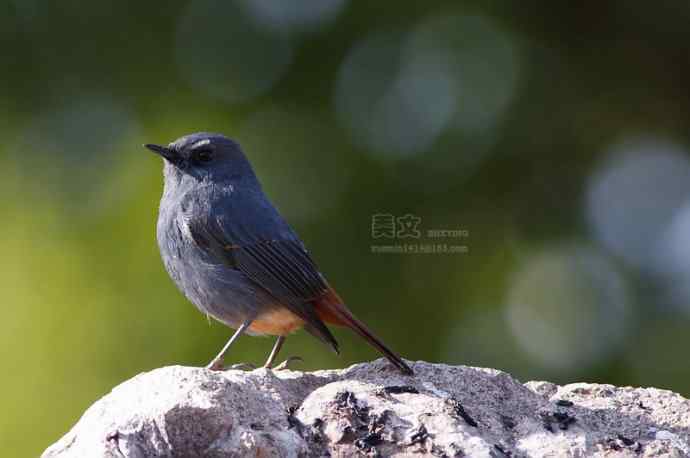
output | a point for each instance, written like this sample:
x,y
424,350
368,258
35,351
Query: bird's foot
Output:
x,y
285,364
215,365
242,367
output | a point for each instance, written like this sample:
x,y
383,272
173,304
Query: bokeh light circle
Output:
x,y
481,58
398,91
293,16
368,74
223,52
672,263
633,196
568,307
72,147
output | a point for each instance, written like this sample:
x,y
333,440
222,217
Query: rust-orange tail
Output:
x,y
332,310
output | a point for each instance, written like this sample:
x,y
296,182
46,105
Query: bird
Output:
x,y
232,254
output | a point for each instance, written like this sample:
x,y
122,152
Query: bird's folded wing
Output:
x,y
280,266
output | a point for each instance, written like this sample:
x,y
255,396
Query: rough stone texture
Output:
x,y
370,409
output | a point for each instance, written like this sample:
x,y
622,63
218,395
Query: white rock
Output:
x,y
371,409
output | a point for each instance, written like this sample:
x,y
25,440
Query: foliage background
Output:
x,y
556,134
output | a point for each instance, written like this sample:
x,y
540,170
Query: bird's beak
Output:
x,y
167,153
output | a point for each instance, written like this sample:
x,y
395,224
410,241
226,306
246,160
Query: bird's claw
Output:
x,y
218,366
215,365
242,367
286,364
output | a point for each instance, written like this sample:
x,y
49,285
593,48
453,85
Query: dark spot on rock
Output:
x,y
379,421
564,403
438,451
257,426
373,434
368,441
562,419
364,429
613,445
398,390
347,402
114,437
626,441
560,416
508,422
310,433
500,452
459,410
209,386
293,422
546,423
621,442
345,399
454,448
419,436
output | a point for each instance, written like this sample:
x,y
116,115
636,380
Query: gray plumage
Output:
x,y
234,257
211,221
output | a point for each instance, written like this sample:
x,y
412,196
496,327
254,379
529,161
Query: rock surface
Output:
x,y
370,409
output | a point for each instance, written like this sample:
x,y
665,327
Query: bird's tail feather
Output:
x,y
331,309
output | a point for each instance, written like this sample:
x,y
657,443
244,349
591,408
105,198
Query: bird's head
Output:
x,y
204,157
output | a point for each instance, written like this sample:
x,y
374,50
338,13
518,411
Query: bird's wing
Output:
x,y
280,265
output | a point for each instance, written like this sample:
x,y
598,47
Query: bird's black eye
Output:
x,y
203,155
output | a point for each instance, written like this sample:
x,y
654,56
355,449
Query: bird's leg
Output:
x,y
217,363
274,354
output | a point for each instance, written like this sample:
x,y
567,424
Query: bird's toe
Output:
x,y
286,364
242,367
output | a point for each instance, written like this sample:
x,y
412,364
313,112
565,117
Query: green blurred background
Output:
x,y
555,134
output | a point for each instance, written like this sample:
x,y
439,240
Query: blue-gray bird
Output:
x,y
235,258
